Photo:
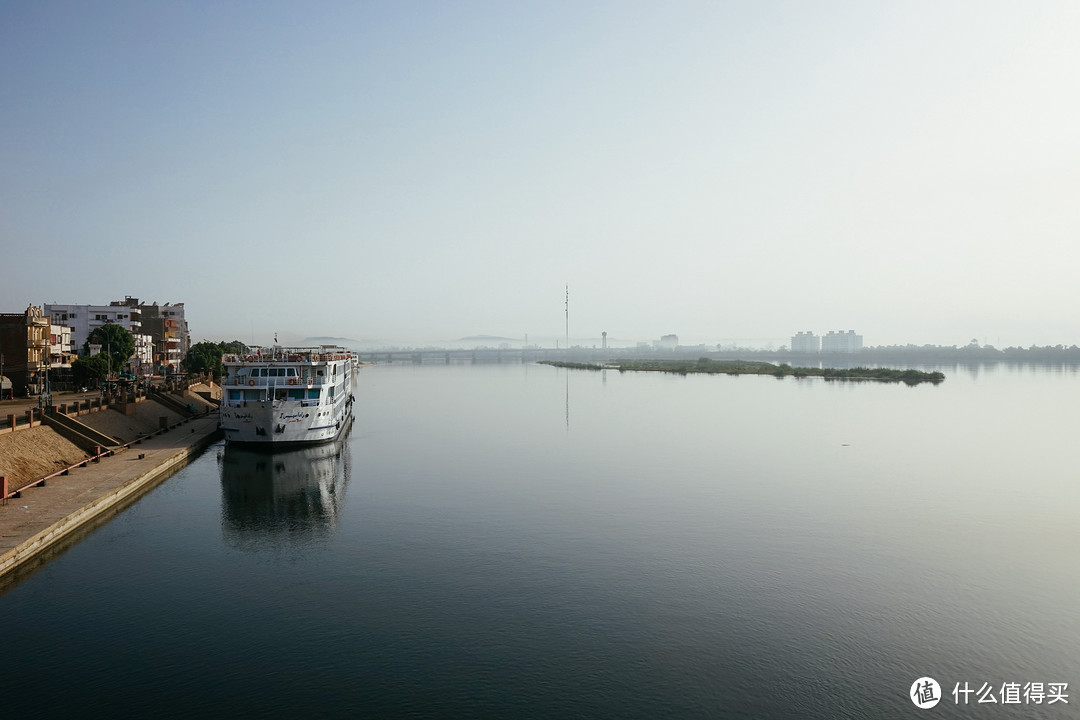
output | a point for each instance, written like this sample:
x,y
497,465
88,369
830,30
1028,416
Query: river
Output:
x,y
496,541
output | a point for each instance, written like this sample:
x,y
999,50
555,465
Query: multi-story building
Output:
x,y
61,351
168,327
838,341
160,332
805,342
84,319
25,348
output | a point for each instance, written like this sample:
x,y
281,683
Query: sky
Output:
x,y
411,173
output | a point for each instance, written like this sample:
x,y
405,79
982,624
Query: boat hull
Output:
x,y
255,426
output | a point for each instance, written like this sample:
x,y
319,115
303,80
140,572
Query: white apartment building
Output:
x,y
838,341
84,319
805,342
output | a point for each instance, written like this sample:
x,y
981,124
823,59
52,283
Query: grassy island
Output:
x,y
750,367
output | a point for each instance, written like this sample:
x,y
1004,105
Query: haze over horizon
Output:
x,y
414,173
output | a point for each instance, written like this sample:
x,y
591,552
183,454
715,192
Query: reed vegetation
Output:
x,y
752,367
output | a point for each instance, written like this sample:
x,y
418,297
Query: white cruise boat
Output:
x,y
287,397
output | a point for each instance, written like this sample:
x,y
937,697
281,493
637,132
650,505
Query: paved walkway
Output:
x,y
43,516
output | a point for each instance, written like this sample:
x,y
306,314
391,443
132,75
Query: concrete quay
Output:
x,y
43,521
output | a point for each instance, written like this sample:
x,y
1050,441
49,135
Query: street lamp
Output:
x,y
46,397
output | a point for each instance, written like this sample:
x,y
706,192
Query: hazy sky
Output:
x,y
415,172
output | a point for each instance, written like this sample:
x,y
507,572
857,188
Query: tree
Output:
x,y
116,343
205,357
88,371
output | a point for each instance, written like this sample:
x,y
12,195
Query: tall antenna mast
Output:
x,y
568,316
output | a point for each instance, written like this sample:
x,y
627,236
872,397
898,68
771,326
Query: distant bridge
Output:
x,y
477,355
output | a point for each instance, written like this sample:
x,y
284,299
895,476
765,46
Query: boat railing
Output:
x,y
287,357
278,383
239,402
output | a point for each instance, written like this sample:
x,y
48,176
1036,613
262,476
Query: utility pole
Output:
x,y
568,316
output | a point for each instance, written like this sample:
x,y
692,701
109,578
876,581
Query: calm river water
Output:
x,y
523,541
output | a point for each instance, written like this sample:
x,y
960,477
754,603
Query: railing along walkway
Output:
x,y
6,492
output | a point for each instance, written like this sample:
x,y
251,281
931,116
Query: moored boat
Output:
x,y
287,396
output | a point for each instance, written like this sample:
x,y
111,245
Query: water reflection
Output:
x,y
293,494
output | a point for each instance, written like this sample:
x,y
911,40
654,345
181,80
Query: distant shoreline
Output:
x,y
747,367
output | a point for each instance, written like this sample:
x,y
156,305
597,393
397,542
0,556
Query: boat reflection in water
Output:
x,y
282,496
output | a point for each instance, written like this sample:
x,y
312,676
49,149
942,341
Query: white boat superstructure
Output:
x,y
287,396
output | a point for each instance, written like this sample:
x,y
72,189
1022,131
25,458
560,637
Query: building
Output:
x,y
24,350
838,341
168,328
668,342
84,319
805,342
61,351
160,332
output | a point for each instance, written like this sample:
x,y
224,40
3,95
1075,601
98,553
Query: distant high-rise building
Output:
x,y
805,342
838,341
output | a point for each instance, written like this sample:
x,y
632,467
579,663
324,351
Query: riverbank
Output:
x,y
44,518
750,367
